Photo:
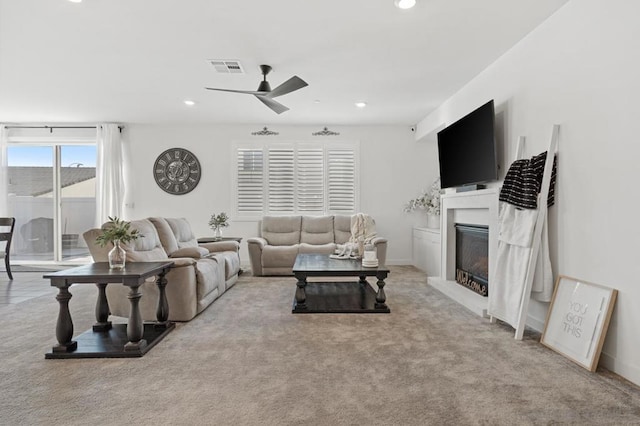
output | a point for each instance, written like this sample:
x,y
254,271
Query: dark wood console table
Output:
x,y
337,296
105,340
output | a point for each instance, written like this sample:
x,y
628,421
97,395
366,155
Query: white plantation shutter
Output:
x,y
341,188
310,180
306,178
281,185
250,181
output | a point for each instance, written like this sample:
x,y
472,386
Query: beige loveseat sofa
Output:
x,y
201,273
283,237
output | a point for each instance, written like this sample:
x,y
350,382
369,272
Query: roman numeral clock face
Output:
x,y
177,171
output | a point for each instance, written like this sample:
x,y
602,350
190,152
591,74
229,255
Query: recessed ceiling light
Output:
x,y
75,1
361,104
189,103
317,101
404,4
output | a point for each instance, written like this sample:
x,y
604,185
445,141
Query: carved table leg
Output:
x,y
102,310
64,326
301,294
380,296
162,313
135,326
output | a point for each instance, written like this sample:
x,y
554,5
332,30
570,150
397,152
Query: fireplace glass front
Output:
x,y
472,257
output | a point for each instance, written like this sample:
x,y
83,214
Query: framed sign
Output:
x,y
578,319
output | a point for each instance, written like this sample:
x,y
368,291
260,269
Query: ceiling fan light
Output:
x,y
404,4
264,86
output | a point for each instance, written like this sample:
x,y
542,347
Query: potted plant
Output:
x,y
429,201
117,231
217,222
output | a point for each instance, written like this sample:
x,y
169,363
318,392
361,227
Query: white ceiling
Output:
x,y
135,61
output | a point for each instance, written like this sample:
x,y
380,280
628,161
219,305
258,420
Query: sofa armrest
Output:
x,y
378,240
192,252
256,244
261,242
221,246
180,262
380,244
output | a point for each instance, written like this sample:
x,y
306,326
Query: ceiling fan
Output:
x,y
264,92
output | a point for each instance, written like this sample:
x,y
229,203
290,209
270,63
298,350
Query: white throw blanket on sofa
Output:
x,y
363,228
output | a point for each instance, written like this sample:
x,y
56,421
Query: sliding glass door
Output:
x,y
52,196
30,178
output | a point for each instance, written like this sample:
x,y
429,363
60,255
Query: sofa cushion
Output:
x,y
317,248
231,262
279,256
209,277
167,238
281,230
342,228
183,233
148,248
317,230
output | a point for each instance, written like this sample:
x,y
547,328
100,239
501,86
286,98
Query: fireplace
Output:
x,y
472,257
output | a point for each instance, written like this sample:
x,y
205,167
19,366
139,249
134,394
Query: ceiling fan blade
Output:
x,y
247,92
277,107
294,83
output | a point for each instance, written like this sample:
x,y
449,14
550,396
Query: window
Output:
x,y
289,178
250,181
51,192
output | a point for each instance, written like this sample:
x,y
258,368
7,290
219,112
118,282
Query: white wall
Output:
x,y
579,69
393,170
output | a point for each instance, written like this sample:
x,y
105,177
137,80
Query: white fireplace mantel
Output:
x,y
475,208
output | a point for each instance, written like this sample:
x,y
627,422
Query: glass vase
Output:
x,y
433,221
117,256
217,233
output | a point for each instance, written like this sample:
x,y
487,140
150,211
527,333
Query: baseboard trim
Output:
x,y
625,370
399,262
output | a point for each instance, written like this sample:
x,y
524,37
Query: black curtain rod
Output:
x,y
57,127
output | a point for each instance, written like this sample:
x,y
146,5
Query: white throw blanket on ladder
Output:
x,y
515,238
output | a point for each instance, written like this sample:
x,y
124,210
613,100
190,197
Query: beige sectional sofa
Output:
x,y
201,273
283,237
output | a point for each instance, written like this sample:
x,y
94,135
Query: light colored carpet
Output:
x,y
247,360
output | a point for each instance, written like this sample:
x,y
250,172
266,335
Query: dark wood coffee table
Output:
x,y
337,296
105,340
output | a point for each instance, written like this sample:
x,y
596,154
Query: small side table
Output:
x,y
215,240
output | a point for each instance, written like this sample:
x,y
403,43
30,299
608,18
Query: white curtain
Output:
x,y
4,173
110,190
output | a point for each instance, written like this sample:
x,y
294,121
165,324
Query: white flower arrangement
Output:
x,y
429,200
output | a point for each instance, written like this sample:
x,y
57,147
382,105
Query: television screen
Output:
x,y
467,149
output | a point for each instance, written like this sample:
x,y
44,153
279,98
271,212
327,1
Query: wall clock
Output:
x,y
177,171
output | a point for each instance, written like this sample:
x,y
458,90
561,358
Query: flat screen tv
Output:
x,y
467,149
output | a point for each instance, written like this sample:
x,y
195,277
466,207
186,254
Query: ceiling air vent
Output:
x,y
224,66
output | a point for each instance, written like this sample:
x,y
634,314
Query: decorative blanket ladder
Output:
x,y
537,233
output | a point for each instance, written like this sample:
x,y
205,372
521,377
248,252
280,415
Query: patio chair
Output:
x,y
7,222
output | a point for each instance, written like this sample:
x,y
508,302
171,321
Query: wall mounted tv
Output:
x,y
467,149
